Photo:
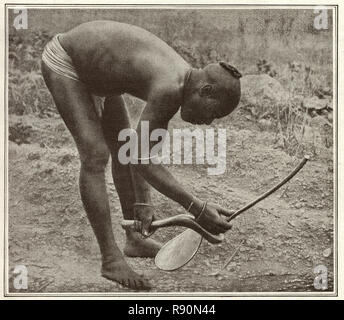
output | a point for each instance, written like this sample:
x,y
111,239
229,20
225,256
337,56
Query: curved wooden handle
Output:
x,y
272,190
180,220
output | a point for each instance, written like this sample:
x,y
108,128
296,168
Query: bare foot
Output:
x,y
136,246
122,273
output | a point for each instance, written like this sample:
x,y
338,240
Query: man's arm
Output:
x,y
162,180
156,174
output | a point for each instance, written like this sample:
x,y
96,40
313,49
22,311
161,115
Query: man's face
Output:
x,y
203,110
213,97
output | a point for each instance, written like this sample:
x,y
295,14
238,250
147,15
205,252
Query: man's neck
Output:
x,y
186,84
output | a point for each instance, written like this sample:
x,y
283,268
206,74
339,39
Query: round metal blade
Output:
x,y
177,252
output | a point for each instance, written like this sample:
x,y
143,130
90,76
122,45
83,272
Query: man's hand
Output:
x,y
222,211
145,215
211,220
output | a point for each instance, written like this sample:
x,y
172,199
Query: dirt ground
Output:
x,y
286,236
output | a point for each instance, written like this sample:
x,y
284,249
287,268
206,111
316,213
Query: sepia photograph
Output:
x,y
181,150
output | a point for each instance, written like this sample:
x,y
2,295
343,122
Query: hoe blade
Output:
x,y
177,252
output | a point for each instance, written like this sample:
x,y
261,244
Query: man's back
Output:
x,y
113,57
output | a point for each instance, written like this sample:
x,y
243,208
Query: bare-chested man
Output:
x,y
107,59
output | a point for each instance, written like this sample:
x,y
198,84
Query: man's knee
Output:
x,y
94,156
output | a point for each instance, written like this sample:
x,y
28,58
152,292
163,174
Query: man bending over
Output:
x,y
107,59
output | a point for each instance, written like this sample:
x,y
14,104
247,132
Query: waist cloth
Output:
x,y
58,60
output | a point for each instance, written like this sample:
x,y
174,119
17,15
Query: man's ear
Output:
x,y
206,90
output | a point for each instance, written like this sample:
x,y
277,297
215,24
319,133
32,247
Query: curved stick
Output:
x,y
272,190
180,220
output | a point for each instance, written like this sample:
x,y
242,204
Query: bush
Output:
x,y
27,92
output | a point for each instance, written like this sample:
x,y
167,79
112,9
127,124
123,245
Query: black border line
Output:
x,y
212,295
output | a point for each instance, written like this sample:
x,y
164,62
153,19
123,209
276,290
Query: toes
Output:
x,y
125,283
132,283
129,284
128,279
135,286
138,284
145,284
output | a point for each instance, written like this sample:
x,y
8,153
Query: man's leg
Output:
x,y
76,107
131,187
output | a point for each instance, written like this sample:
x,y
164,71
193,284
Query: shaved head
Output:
x,y
211,93
225,80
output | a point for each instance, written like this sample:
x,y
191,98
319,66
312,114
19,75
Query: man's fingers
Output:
x,y
228,219
138,226
218,226
225,212
145,216
214,230
99,109
224,225
146,226
145,229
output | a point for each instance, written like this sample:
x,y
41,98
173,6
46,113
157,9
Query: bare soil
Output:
x,y
286,236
